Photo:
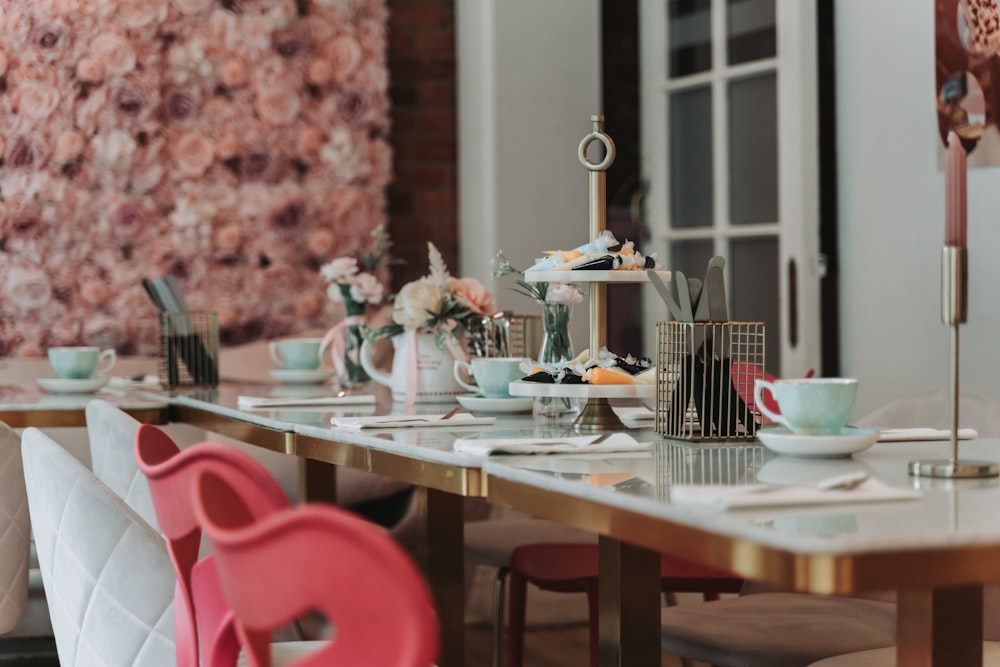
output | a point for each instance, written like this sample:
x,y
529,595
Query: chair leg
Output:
x,y
593,631
499,593
516,605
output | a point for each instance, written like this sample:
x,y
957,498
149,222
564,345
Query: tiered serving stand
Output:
x,y
596,414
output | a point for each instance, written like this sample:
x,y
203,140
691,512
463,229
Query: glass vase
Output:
x,y
556,347
354,374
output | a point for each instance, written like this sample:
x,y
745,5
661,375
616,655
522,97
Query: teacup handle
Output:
x,y
272,349
467,367
759,386
106,361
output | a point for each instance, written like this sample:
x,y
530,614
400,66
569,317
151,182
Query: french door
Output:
x,y
730,159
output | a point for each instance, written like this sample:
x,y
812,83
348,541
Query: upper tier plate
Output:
x,y
591,276
521,388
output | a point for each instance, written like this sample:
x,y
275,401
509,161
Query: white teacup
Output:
x,y
812,406
301,354
80,363
493,375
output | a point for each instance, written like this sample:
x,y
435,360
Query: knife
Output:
x,y
684,296
661,288
715,284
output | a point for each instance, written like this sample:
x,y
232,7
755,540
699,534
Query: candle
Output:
x,y
955,193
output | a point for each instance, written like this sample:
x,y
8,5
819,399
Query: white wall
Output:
x,y
892,214
529,79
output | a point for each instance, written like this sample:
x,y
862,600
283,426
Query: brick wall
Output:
x,y
423,199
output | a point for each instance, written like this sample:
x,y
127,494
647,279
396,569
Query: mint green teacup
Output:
x,y
80,363
812,406
301,354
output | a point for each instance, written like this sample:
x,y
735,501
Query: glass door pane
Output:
x,y
689,25
691,180
750,30
754,292
753,150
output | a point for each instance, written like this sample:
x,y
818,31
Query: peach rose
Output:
x,y
470,293
306,306
319,72
93,292
228,239
234,73
28,288
192,6
321,242
90,70
193,154
310,140
278,105
69,146
340,270
367,289
114,52
36,100
139,13
344,55
3,62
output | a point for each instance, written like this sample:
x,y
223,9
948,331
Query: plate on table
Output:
x,y
72,385
299,376
480,403
850,440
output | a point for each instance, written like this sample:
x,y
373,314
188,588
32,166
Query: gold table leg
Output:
x,y
629,591
443,559
318,481
942,626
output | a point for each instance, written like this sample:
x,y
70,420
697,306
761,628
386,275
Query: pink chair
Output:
x,y
317,558
203,623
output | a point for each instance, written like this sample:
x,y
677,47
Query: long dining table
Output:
x,y
937,551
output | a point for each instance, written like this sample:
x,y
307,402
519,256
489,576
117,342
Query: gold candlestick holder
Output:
x,y
954,309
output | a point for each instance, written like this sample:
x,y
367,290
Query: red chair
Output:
x,y
572,568
318,558
203,623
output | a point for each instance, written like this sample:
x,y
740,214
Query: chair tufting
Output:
x,y
111,432
106,572
15,532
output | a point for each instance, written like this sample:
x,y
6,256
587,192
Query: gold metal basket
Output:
x,y
189,349
705,378
726,464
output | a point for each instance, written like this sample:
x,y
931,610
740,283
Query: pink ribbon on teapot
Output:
x,y
410,342
336,338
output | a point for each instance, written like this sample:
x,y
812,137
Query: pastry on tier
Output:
x,y
596,256
607,369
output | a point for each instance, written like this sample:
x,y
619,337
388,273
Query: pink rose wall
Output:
x,y
235,144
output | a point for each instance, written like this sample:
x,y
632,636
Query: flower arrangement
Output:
x,y
438,303
356,290
542,292
237,145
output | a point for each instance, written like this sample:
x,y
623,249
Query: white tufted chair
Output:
x,y
107,575
111,432
25,631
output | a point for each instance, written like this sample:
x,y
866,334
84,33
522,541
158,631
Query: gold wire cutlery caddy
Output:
x,y
704,372
189,349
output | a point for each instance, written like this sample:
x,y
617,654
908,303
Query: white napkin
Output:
x,y
635,416
904,434
259,402
616,442
741,497
411,421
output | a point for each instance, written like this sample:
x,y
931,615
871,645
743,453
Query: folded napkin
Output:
x,y
635,416
259,402
412,421
904,434
741,497
616,442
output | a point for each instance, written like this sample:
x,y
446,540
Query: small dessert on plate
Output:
x,y
606,369
596,256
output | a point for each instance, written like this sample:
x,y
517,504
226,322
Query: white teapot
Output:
x,y
421,371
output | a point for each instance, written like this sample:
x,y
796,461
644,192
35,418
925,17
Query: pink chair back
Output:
x,y
203,623
318,558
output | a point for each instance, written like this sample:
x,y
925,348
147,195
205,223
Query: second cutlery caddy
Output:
x,y
705,379
189,349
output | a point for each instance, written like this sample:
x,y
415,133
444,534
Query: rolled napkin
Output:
x,y
743,497
261,402
914,434
461,419
616,442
